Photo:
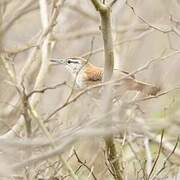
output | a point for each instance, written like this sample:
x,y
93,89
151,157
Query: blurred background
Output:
x,y
142,31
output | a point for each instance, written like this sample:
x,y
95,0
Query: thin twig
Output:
x,y
166,160
142,68
148,155
45,89
84,164
138,159
156,96
167,30
112,3
138,37
158,155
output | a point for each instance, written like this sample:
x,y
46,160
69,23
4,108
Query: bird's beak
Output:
x,y
57,61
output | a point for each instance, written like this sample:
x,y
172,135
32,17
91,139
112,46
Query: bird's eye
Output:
x,y
69,61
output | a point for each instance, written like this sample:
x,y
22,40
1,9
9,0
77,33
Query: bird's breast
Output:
x,y
85,79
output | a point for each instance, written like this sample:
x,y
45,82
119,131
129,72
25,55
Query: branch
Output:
x,y
84,164
158,155
112,3
156,96
87,132
168,157
30,60
137,158
45,89
138,37
17,14
166,30
140,69
148,155
106,30
82,12
99,6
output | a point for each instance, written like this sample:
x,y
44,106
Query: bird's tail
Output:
x,y
146,88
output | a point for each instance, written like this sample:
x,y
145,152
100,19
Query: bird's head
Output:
x,y
72,64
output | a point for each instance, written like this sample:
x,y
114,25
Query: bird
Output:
x,y
87,74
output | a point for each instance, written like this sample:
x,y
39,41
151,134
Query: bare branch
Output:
x,y
150,25
138,37
168,157
148,155
156,96
28,64
112,3
85,165
142,68
98,5
138,159
45,89
11,19
82,12
158,155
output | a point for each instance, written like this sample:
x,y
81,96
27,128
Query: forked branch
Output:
x,y
106,30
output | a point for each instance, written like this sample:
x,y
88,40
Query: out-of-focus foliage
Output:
x,y
142,31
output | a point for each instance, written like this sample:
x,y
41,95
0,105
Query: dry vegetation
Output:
x,y
52,130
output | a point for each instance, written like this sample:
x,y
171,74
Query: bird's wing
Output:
x,y
132,84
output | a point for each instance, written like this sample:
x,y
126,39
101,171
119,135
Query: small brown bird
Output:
x,y
87,74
